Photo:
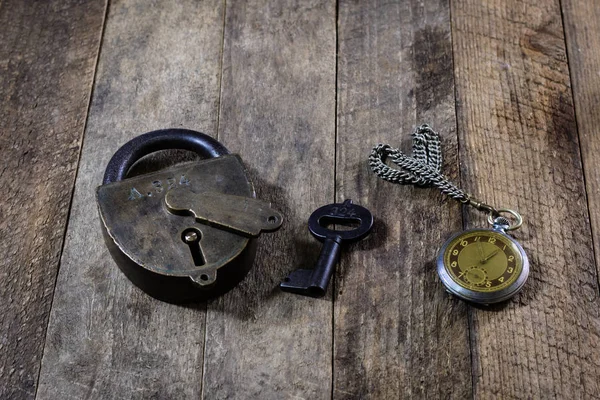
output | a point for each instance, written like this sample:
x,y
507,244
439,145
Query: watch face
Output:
x,y
483,265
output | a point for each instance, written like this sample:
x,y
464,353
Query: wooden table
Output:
x,y
302,90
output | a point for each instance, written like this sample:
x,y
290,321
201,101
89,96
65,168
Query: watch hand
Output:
x,y
480,249
492,254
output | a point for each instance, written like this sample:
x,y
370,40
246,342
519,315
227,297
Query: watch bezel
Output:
x,y
484,298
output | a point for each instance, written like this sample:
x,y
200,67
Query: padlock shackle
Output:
x,y
164,139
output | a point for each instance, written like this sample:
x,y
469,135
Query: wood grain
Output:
x,y
519,149
48,53
159,67
398,334
278,112
582,30
387,329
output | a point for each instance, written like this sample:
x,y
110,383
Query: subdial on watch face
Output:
x,y
475,276
483,260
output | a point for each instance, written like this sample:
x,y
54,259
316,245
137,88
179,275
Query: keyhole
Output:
x,y
191,237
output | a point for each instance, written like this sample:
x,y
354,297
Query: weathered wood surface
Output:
x,y
397,333
582,30
159,67
48,53
519,148
277,111
302,90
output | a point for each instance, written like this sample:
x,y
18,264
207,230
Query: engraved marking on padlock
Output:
x,y
158,187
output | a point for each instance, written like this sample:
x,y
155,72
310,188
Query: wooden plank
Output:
x,y
582,30
48,53
519,148
397,332
277,111
159,67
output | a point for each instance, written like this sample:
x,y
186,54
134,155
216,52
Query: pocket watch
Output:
x,y
484,266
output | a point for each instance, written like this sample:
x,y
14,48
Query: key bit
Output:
x,y
314,282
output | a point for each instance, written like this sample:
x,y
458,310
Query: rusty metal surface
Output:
x,y
239,214
149,242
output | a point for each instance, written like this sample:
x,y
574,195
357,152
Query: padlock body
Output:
x,y
147,241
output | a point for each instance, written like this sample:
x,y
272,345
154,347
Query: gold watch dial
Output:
x,y
483,261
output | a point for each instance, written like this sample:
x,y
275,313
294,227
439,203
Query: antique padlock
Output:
x,y
185,233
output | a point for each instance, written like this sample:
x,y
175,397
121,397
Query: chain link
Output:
x,y
422,169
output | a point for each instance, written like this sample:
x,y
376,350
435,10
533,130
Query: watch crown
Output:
x,y
501,223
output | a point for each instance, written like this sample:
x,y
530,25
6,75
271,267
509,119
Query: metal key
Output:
x,y
314,282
